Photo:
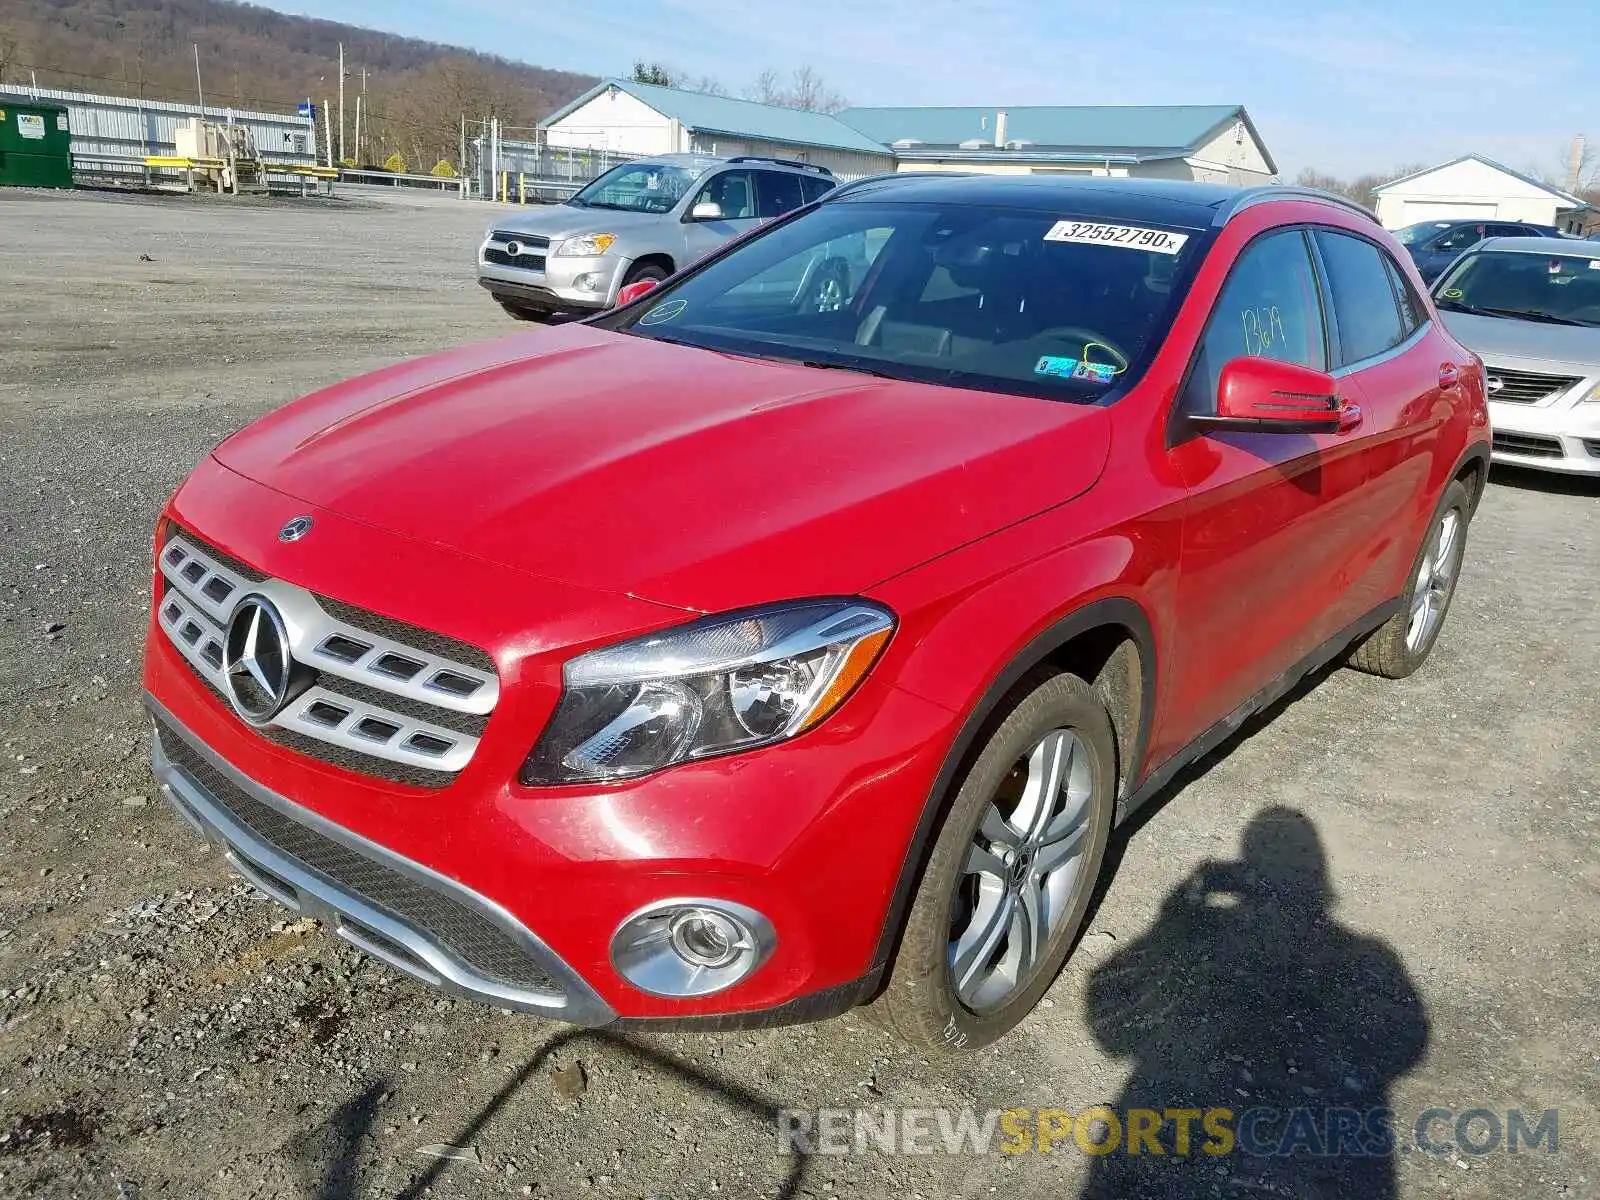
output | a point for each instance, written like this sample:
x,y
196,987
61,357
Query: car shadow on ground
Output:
x,y
1247,994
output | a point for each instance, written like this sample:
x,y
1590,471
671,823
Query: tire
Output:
x,y
1394,650
646,271
923,1000
828,290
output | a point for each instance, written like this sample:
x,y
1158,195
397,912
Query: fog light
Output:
x,y
691,947
589,281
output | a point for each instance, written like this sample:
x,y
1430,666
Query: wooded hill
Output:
x,y
416,92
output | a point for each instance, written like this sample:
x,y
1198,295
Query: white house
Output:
x,y
624,117
1476,187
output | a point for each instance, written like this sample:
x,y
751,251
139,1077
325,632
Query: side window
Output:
x,y
1364,304
1459,238
1412,314
777,193
1270,307
732,191
1510,231
815,186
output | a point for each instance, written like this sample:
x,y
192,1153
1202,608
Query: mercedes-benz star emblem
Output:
x,y
256,666
295,529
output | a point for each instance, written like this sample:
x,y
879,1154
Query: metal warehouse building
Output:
x,y
1211,143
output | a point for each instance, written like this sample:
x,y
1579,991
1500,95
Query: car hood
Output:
x,y
679,475
565,220
1534,345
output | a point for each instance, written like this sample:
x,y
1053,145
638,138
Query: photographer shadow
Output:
x,y
1248,995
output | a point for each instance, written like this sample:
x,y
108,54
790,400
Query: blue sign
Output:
x,y
308,109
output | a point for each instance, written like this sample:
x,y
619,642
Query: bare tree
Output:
x,y
9,43
1360,188
804,89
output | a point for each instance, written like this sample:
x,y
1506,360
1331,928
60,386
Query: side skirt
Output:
x,y
1161,776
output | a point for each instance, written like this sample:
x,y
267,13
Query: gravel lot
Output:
x,y
1426,931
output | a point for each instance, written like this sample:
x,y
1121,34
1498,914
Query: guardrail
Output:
x,y
443,183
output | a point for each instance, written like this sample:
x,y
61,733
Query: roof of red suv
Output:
x,y
1165,201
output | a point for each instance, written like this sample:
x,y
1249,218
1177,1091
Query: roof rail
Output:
x,y
886,177
1282,191
783,162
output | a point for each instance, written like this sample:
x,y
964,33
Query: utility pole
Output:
x,y
200,91
358,128
341,103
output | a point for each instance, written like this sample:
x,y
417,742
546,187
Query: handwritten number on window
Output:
x,y
1264,335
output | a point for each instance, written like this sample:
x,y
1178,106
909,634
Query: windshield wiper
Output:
x,y
844,366
1515,314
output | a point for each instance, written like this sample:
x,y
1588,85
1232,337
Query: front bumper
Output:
x,y
556,287
416,920
1565,439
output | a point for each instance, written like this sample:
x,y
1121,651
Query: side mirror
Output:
x,y
631,292
706,210
1262,395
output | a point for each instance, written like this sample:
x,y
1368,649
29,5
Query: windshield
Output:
x,y
1412,234
999,299
639,187
1558,289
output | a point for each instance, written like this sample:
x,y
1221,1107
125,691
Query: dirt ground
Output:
x,y
1386,895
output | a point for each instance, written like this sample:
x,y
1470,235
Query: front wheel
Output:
x,y
1402,643
1003,897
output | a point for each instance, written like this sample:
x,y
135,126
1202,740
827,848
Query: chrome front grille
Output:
x,y
387,699
1526,387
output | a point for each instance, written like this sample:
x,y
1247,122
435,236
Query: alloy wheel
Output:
x,y
1022,871
1436,576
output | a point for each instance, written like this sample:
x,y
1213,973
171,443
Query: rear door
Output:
x,y
1399,371
1275,523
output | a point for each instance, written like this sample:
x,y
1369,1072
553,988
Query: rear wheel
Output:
x,y
1402,643
1003,897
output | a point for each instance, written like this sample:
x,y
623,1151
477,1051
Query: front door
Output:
x,y
1274,525
734,194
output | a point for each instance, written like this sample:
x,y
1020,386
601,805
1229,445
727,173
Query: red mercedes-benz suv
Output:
x,y
760,649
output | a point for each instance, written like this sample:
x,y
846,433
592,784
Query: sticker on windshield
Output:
x,y
1055,366
1129,237
1594,264
663,312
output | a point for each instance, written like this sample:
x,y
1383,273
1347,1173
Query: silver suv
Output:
x,y
641,220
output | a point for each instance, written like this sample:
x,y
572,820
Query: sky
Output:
x,y
1346,89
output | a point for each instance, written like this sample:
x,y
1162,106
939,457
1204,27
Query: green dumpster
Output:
x,y
35,143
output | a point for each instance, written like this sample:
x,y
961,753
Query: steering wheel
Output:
x,y
1086,338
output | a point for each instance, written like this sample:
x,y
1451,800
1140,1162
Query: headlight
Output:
x,y
1593,397
589,245
716,686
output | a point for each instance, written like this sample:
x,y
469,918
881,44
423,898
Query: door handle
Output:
x,y
1350,417
1449,375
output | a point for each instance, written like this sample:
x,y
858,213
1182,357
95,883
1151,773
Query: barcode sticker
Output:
x,y
1129,237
